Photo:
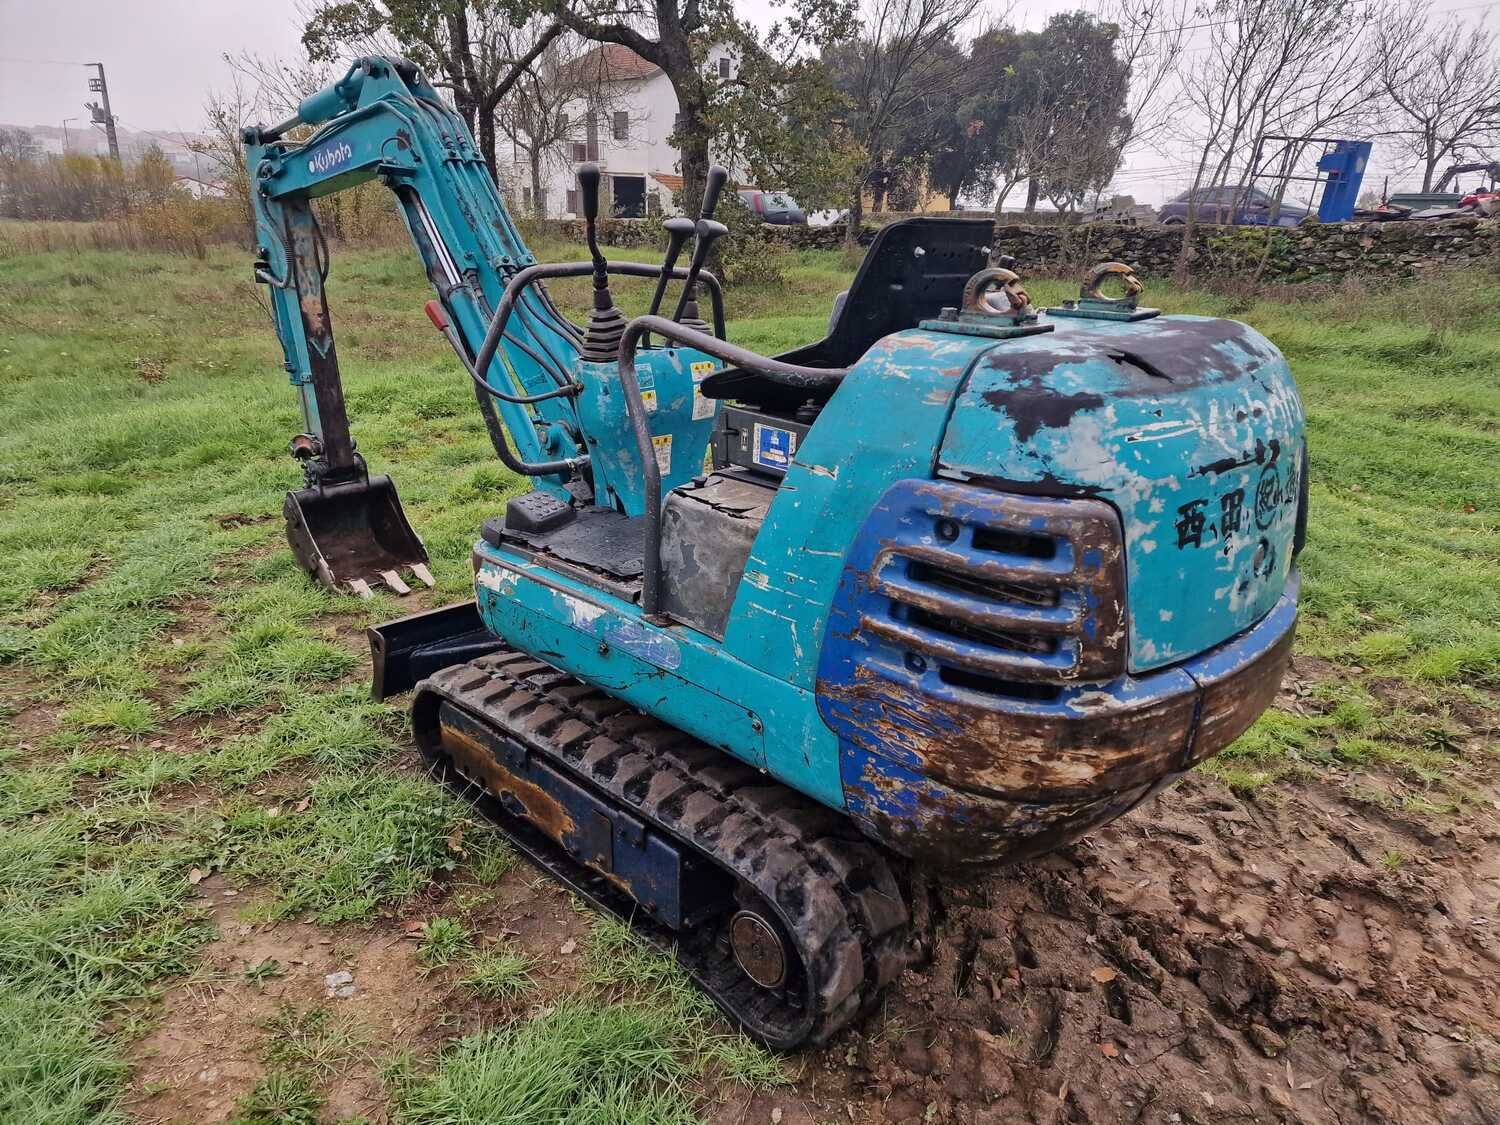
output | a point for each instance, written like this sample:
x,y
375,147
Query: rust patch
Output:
x,y
947,829
1029,757
1232,703
474,761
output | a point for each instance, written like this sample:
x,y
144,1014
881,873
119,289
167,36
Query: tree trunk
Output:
x,y
877,196
953,200
538,199
856,213
487,144
692,104
1002,197
1032,191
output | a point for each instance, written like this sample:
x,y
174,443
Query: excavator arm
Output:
x,y
384,121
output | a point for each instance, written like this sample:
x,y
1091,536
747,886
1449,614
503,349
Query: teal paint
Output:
x,y
379,125
885,422
1193,431
680,675
680,419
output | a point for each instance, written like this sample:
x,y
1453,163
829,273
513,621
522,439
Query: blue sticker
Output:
x,y
333,155
774,447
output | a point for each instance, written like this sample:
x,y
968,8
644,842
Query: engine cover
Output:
x,y
1189,426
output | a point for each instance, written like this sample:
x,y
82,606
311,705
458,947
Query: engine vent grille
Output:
x,y
1014,592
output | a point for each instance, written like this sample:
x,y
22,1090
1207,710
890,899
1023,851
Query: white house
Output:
x,y
629,141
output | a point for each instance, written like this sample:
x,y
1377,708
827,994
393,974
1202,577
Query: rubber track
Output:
x,y
835,891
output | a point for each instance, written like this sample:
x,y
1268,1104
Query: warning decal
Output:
x,y
663,446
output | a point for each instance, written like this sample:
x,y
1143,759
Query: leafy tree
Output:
x,y
780,114
152,178
888,75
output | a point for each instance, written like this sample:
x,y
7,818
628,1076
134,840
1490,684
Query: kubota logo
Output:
x,y
329,157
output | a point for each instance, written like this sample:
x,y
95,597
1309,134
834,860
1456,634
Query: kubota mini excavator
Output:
x,y
959,582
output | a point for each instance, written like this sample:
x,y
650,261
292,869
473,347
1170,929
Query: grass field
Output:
x,y
189,750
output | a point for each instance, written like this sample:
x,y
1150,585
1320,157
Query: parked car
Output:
x,y
1234,204
773,207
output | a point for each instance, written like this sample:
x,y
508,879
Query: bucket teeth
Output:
x,y
424,575
393,580
361,587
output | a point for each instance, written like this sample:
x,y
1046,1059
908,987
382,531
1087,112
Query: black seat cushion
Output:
x,y
895,288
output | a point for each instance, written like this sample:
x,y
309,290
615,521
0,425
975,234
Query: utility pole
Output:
x,y
102,114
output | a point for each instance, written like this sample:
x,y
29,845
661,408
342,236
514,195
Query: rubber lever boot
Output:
x,y
601,340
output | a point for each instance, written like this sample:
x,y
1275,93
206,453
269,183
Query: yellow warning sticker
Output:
x,y
663,446
649,399
703,367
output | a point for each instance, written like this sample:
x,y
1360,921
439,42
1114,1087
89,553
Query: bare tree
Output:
x,y
553,103
1287,66
885,75
1149,41
1442,84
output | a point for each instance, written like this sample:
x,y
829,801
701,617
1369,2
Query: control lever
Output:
x,y
679,230
601,340
708,233
687,303
718,176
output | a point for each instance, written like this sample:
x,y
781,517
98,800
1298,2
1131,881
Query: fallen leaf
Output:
x,y
568,947
273,810
776,1116
1109,1050
1291,1083
1104,974
304,804
195,876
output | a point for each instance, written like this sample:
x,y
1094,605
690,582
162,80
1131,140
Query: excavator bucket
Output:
x,y
354,535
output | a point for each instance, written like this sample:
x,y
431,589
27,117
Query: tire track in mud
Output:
x,y
1205,959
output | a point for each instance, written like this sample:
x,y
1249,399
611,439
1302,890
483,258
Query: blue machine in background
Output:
x,y
1344,165
952,585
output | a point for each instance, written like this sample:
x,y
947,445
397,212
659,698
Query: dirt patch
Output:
x,y
1206,959
208,1038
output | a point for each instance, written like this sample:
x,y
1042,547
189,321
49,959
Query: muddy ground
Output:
x,y
1305,954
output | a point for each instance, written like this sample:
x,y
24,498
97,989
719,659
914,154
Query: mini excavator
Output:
x,y
947,588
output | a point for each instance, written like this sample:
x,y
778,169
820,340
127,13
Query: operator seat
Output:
x,y
913,270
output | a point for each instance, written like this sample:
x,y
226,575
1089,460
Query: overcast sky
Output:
x,y
162,56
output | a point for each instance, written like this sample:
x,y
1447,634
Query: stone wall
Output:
x,y
1307,253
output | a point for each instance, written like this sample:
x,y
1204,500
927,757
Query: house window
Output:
x,y
572,201
724,67
621,125
526,197
587,149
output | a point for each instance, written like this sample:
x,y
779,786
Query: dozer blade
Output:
x,y
406,651
352,535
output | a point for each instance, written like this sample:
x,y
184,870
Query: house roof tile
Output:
x,y
611,62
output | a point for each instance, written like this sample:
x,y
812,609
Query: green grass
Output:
x,y
498,974
580,1063
444,940
208,710
365,838
280,1098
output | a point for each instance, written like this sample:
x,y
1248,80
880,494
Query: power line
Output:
x,y
41,62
